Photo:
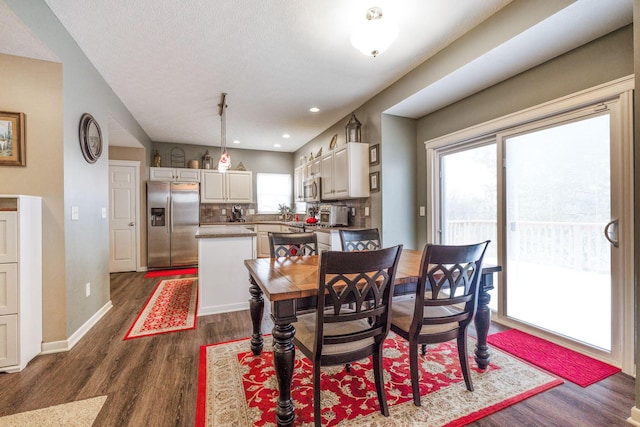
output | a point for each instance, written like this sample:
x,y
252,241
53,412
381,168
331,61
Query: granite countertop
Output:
x,y
209,230
218,231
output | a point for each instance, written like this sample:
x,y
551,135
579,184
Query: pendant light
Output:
x,y
225,158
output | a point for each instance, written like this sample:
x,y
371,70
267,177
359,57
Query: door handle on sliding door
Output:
x,y
612,237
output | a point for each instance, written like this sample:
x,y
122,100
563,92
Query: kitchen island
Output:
x,y
222,276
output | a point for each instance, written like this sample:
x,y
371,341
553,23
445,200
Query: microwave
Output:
x,y
311,190
331,216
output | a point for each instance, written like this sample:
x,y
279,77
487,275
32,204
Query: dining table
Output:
x,y
289,283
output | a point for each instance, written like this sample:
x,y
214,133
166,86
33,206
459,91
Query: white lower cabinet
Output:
x,y
20,281
328,240
263,231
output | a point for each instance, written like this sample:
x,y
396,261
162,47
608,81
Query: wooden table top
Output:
x,y
297,277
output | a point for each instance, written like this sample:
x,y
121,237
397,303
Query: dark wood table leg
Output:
x,y
256,307
283,314
482,320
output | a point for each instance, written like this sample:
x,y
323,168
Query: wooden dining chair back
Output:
x,y
444,304
360,240
292,244
337,333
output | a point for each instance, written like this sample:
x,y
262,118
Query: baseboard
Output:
x,y
634,419
216,309
66,345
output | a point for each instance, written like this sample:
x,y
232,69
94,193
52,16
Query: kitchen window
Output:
x,y
273,189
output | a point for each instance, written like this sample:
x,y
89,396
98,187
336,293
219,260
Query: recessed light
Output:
x,y
286,135
235,141
276,145
314,109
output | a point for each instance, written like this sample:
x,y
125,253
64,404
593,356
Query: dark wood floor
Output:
x,y
152,381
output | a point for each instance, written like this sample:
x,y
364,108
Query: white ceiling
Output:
x,y
276,59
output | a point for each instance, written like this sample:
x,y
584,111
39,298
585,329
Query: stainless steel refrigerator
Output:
x,y
173,212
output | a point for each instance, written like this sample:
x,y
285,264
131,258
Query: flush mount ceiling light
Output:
x,y
314,109
374,35
225,157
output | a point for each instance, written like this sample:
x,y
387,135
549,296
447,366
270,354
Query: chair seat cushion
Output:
x,y
402,316
306,334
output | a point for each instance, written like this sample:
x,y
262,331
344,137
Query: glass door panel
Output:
x,y
558,201
468,192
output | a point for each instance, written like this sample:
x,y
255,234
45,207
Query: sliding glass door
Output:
x,y
555,197
558,203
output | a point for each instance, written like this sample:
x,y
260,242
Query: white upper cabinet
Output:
x,y
298,182
174,174
228,187
345,172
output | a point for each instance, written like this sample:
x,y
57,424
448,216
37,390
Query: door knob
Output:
x,y
131,224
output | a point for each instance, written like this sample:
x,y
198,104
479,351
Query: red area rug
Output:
x,y
172,307
164,273
237,388
568,364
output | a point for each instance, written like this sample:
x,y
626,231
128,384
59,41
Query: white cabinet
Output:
x,y
312,168
228,187
328,240
263,231
20,281
174,174
345,172
298,182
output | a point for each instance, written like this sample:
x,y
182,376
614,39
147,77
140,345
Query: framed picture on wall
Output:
x,y
374,155
374,181
12,139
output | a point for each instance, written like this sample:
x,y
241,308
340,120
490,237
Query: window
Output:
x,y
273,189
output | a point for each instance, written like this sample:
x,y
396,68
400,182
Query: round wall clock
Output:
x,y
90,138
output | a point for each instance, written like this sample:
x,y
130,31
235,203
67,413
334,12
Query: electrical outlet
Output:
x,y
252,212
224,211
87,289
75,213
353,211
366,211
422,212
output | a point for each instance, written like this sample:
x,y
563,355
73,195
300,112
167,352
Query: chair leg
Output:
x,y
347,367
415,377
378,373
464,360
424,349
317,407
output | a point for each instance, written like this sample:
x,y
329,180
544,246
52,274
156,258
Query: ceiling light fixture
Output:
x,y
225,157
276,145
374,36
314,109
235,141
286,135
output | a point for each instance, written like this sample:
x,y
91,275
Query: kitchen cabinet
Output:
x,y
328,240
345,172
174,174
228,187
312,168
263,231
298,182
20,281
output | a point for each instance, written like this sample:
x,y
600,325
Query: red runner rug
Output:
x,y
568,364
172,307
163,273
237,388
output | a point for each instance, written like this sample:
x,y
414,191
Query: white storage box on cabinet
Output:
x,y
345,172
20,281
228,187
174,174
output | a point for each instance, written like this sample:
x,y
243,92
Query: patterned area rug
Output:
x,y
568,364
162,273
237,388
172,307
75,414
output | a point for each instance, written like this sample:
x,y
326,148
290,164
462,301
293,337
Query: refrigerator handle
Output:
x,y
171,212
170,215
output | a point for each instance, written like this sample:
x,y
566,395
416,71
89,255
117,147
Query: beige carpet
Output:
x,y
75,414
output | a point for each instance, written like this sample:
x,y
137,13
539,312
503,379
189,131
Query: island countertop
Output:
x,y
220,231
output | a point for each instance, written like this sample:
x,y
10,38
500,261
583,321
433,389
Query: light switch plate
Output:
x,y
251,212
104,213
422,211
224,211
366,211
75,213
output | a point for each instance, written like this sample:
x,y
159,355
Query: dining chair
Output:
x,y
335,334
444,304
360,240
292,244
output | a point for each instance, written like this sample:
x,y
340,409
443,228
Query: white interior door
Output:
x,y
123,224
